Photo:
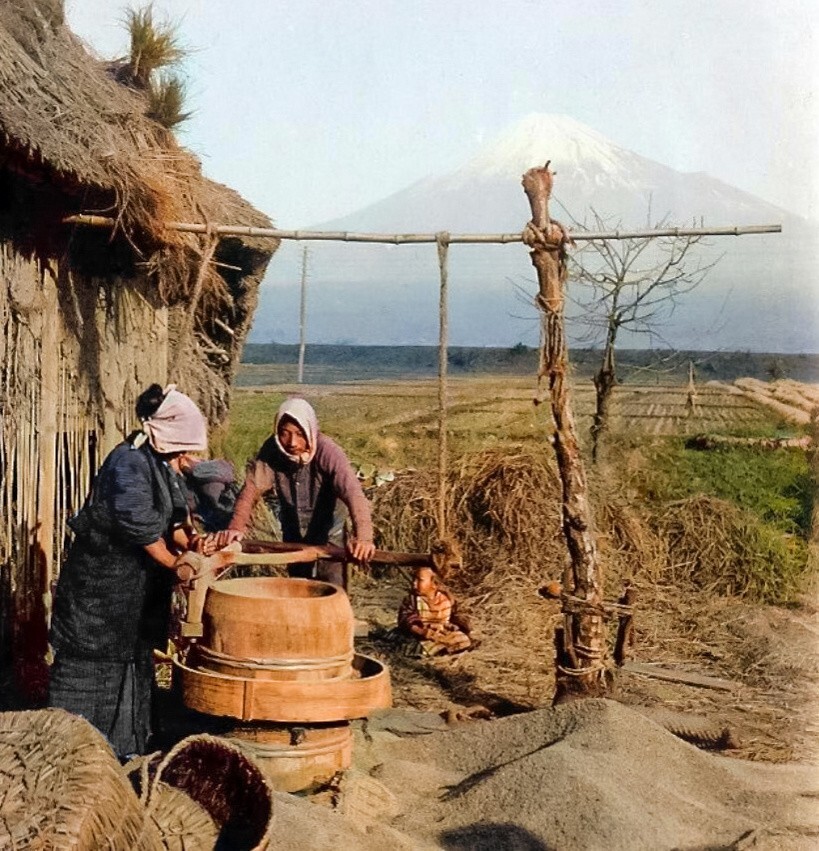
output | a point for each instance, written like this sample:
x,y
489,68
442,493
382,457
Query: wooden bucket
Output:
x,y
296,758
276,628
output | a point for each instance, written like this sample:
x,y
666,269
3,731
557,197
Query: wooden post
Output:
x,y
443,337
691,395
581,670
302,314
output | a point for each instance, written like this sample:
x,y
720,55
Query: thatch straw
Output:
x,y
85,141
61,787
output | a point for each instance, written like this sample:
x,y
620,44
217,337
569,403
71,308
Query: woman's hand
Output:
x,y
216,541
185,571
361,551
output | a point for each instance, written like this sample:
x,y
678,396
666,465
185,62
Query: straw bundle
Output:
x,y
795,394
504,508
809,392
61,787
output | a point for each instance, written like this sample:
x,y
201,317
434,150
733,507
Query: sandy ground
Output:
x,y
589,775
596,774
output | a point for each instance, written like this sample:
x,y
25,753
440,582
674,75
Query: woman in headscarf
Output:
x,y
310,475
112,601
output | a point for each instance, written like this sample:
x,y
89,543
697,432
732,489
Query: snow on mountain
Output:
x,y
758,297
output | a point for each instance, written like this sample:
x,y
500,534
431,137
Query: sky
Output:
x,y
312,109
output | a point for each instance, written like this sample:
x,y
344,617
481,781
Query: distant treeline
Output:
x,y
637,365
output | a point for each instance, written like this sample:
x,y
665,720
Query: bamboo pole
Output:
x,y
581,670
405,238
302,314
443,334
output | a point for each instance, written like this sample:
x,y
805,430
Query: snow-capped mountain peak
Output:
x,y
568,143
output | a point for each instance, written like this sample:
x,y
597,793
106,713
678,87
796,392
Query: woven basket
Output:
x,y
205,791
61,787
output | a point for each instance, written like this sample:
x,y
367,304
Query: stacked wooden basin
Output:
x,y
277,655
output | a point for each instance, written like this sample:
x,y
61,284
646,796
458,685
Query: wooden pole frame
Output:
x,y
581,641
414,238
302,316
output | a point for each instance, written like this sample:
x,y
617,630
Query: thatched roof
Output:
x,y
64,118
74,140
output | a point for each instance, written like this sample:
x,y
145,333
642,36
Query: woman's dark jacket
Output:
x,y
111,595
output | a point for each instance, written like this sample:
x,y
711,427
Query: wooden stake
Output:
x,y
582,672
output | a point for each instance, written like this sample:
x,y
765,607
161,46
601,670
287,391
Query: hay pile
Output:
x,y
787,400
723,549
504,510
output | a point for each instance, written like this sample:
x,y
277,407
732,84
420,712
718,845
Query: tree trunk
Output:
x,y
604,382
582,646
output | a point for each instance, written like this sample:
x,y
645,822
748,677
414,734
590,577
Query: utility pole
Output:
x,y
302,314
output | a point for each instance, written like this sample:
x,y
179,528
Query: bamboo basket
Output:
x,y
61,787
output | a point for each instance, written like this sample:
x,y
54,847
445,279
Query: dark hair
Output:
x,y
148,402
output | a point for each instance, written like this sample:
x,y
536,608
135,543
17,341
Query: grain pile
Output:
x,y
592,774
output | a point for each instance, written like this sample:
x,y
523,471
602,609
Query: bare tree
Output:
x,y
633,283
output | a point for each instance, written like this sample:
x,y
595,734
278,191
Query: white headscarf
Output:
x,y
301,412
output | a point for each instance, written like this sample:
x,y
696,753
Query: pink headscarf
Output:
x,y
177,425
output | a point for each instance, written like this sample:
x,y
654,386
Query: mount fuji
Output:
x,y
761,295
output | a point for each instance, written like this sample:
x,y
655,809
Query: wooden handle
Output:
x,y
328,551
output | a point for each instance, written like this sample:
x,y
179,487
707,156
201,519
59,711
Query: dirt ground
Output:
x,y
765,657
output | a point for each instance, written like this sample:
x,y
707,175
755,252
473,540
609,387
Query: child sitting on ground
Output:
x,y
428,614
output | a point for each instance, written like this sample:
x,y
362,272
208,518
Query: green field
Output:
x,y
393,426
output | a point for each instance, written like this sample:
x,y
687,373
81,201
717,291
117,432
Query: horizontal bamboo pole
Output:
x,y
405,238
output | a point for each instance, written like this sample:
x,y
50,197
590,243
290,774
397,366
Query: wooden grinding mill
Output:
x,y
277,655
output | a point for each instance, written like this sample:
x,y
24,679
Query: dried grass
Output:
x,y
504,510
725,550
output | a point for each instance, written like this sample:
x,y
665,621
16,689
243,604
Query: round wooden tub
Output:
x,y
289,702
276,628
